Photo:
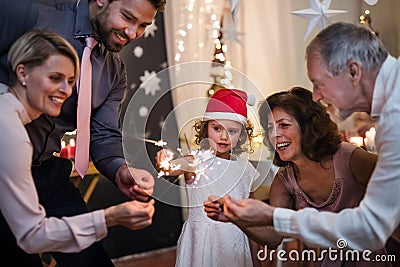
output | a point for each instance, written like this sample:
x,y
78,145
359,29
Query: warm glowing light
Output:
x,y
182,32
356,140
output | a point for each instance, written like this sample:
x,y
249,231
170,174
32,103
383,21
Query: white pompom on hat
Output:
x,y
229,104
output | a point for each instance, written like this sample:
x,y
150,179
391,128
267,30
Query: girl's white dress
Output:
x,y
204,242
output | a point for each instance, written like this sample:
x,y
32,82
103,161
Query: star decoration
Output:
x,y
150,82
230,34
318,14
234,9
150,30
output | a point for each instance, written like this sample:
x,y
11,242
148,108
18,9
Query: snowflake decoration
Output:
x,y
151,29
150,82
138,51
143,111
318,14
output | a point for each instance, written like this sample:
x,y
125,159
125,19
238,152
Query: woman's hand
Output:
x,y
132,214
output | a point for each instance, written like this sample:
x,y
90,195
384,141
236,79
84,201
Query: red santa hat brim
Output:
x,y
228,104
225,116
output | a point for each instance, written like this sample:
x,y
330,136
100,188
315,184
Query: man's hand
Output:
x,y
132,214
135,183
213,206
248,212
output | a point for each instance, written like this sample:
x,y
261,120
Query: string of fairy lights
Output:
x,y
366,18
200,20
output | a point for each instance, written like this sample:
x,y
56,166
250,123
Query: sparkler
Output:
x,y
196,161
159,143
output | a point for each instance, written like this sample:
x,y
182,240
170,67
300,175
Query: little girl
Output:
x,y
225,129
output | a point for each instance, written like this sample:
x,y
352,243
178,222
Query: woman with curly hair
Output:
x,y
317,169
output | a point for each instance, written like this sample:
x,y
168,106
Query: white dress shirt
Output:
x,y
371,224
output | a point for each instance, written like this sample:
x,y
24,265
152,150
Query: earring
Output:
x,y
24,84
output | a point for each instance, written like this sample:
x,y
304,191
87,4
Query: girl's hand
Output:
x,y
163,158
165,161
213,206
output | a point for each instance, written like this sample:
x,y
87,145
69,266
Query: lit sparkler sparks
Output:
x,y
196,161
159,143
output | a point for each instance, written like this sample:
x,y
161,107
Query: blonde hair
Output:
x,y
34,47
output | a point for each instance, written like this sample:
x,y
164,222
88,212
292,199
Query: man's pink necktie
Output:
x,y
84,109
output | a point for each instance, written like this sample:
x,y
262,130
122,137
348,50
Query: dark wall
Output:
x,y
121,241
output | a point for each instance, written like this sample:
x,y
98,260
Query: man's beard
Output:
x,y
110,46
338,115
105,37
104,33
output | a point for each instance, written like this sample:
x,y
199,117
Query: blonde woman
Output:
x,y
45,67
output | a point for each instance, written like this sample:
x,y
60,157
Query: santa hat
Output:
x,y
229,104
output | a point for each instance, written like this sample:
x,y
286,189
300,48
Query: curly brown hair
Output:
x,y
201,126
319,134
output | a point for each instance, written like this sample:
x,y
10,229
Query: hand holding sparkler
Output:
x,y
135,183
168,166
192,165
214,207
